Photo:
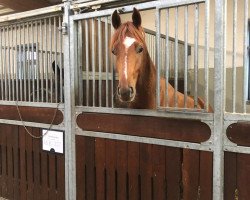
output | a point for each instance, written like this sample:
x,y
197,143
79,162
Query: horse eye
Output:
x,y
139,49
114,51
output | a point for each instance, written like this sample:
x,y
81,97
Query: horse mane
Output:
x,y
125,28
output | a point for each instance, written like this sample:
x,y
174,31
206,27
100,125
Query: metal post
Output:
x,y
246,54
69,91
167,55
87,60
206,54
218,158
107,60
79,65
186,56
158,50
196,43
176,63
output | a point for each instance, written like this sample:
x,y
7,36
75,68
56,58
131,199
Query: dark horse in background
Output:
x,y
137,77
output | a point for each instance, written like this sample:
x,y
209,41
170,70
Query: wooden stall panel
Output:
x,y
243,176
173,173
121,169
26,171
156,127
80,168
90,167
133,170
100,163
3,162
239,133
237,176
32,114
230,172
128,170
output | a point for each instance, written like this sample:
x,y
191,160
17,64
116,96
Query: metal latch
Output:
x,y
64,28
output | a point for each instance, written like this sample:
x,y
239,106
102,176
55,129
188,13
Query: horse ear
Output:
x,y
116,20
136,17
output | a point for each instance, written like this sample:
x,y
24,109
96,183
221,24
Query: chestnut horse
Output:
x,y
137,81
136,71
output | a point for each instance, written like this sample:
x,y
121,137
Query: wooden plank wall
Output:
x,y
109,169
27,172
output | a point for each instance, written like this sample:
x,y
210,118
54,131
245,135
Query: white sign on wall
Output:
x,y
53,141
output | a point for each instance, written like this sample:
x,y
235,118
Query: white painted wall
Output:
x,y
148,21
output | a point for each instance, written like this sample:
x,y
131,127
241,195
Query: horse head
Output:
x,y
129,47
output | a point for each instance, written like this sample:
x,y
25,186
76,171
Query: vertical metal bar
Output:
x,y
21,60
9,66
157,52
13,63
176,64
46,61
16,66
1,63
23,63
29,63
42,61
186,56
93,58
217,131
5,63
107,60
113,78
225,46
61,63
206,54
80,64
196,41
87,60
154,48
234,54
245,59
24,48
56,75
100,60
50,60
32,62
37,66
69,52
167,55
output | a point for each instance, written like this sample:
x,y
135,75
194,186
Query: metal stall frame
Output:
x,y
205,117
176,113
217,121
8,20
15,18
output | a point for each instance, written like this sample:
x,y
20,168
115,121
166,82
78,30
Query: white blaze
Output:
x,y
128,41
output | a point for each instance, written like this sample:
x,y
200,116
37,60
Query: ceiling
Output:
x,y
13,6
4,10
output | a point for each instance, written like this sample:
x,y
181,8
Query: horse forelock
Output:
x,y
128,29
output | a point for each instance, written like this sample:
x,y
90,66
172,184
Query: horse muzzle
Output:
x,y
125,94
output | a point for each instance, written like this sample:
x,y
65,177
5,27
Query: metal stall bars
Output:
x,y
94,68
92,104
31,53
93,72
236,71
177,65
22,74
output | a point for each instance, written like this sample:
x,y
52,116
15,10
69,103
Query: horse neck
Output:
x,y
147,83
